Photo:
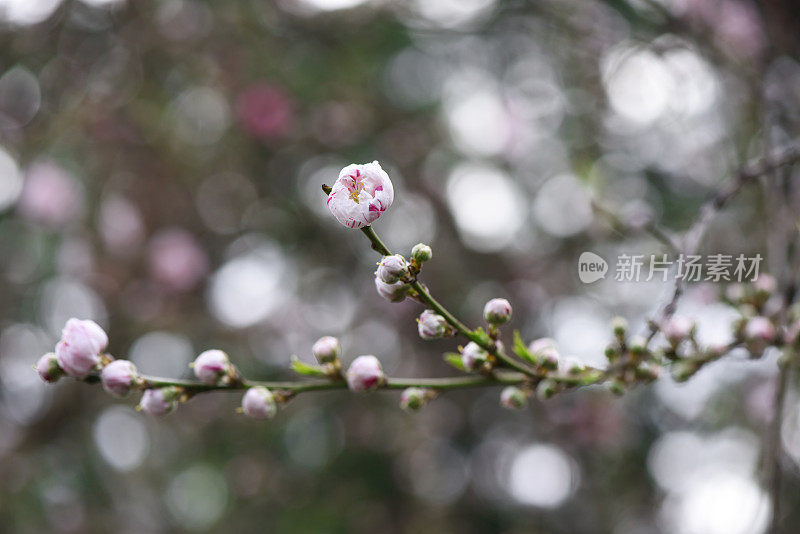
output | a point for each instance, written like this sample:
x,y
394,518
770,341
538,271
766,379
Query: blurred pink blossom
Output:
x,y
176,260
265,111
120,225
51,196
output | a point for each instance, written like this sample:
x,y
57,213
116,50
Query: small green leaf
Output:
x,y
521,350
302,368
454,359
482,335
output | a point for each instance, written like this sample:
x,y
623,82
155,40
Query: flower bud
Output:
x,y
213,367
473,357
431,325
497,311
160,401
79,350
549,358
259,403
735,293
513,398
647,371
546,389
619,326
412,399
538,346
392,292
326,349
684,369
616,386
421,253
118,377
765,284
638,345
677,328
572,365
365,374
759,333
392,268
48,368
361,194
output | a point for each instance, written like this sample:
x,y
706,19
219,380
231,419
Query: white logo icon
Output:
x,y
591,267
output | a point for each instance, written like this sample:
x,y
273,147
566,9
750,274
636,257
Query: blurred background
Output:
x,y
160,172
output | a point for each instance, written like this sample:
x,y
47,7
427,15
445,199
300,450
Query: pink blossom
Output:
x,y
677,328
392,292
159,401
365,374
118,377
121,225
265,111
497,311
48,368
414,398
513,398
326,349
259,403
212,366
79,350
361,194
759,328
473,356
431,325
392,268
51,196
176,260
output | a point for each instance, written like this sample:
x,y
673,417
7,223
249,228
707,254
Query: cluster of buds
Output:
x,y
631,357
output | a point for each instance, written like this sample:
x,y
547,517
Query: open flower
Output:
x,y
360,195
79,350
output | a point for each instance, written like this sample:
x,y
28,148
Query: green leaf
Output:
x,y
482,335
454,359
521,350
302,368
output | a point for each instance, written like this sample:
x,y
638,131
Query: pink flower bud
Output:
x,y
572,365
392,292
759,328
392,268
677,328
497,311
48,368
159,401
79,350
360,195
326,349
213,367
412,399
431,325
513,398
118,377
365,374
473,356
538,346
259,403
766,284
421,253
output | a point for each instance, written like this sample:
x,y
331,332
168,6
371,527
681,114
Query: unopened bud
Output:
x,y
677,328
759,333
413,399
79,350
549,358
647,372
765,284
619,326
616,386
160,401
48,368
513,398
431,325
638,345
213,367
546,389
326,349
573,366
392,268
365,374
392,292
119,377
421,252
473,356
259,403
497,311
684,369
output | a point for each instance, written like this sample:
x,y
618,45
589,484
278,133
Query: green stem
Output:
x,y
317,385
